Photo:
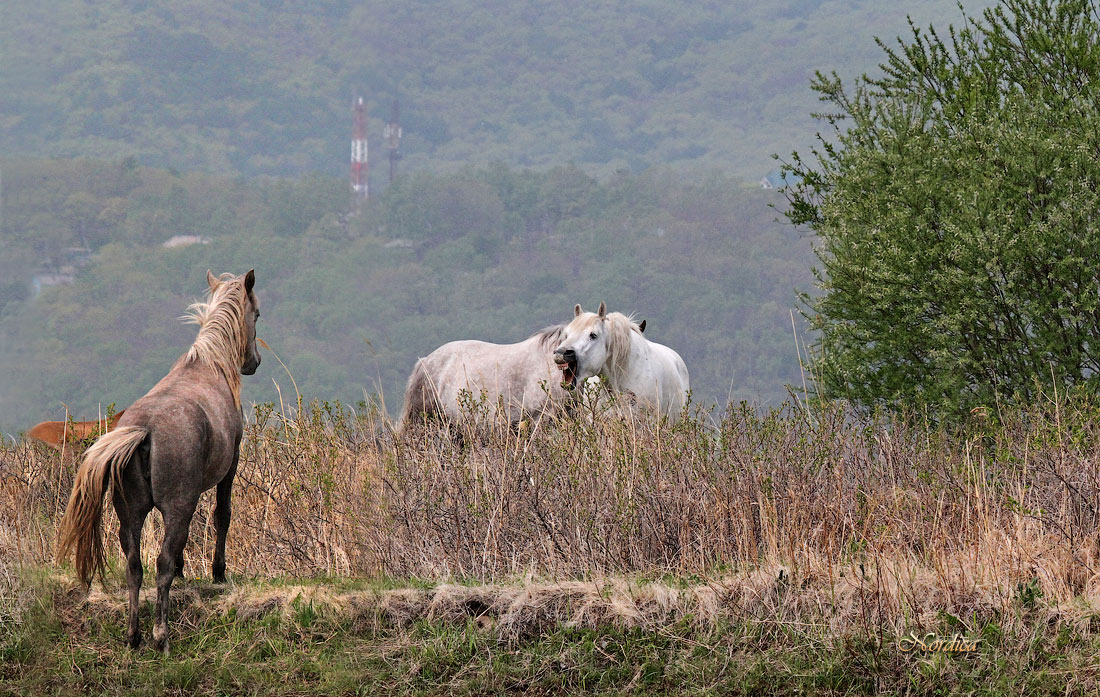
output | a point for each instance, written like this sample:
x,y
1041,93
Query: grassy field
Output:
x,y
790,552
264,638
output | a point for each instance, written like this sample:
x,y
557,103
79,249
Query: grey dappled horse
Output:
x,y
177,441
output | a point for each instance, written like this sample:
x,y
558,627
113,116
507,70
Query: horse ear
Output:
x,y
211,280
641,326
602,312
249,280
577,310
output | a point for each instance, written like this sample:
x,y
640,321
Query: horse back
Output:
x,y
509,371
57,433
194,432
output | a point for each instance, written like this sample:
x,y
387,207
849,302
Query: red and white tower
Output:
x,y
359,185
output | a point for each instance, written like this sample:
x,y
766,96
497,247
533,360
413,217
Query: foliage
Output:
x,y
328,490
350,302
956,215
780,552
266,87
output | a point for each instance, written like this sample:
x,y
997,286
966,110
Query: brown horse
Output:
x,y
59,433
180,439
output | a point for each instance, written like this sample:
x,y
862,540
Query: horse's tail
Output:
x,y
419,397
81,526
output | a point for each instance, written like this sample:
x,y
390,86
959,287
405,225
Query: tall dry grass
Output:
x,y
885,522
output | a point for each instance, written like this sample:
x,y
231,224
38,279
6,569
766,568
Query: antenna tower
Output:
x,y
392,134
359,187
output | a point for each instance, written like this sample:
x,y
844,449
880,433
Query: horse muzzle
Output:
x,y
249,367
566,362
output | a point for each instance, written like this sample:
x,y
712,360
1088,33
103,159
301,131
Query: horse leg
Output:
x,y
179,565
132,511
177,522
222,515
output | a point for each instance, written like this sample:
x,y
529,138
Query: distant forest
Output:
x,y
349,303
554,152
266,86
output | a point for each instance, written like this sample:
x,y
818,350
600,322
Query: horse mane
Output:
x,y
221,342
550,337
619,328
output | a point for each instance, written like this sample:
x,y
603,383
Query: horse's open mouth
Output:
x,y
568,373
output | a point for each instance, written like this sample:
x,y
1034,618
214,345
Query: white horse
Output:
x,y
612,347
521,378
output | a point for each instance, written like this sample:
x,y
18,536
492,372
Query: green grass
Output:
x,y
340,583
65,647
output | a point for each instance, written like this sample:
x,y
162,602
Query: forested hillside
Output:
x,y
265,87
554,153
350,303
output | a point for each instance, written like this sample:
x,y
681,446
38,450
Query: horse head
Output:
x,y
250,313
583,351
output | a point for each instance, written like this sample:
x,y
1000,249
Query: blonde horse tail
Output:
x,y
419,397
81,531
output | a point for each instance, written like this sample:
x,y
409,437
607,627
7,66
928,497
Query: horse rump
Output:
x,y
421,399
80,531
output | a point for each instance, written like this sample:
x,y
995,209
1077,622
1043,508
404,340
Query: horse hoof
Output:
x,y
134,641
160,639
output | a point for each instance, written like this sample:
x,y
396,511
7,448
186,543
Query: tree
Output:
x,y
957,214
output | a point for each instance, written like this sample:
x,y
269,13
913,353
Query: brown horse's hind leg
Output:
x,y
177,522
221,522
132,512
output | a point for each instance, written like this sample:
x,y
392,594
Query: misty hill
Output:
x,y
265,87
349,304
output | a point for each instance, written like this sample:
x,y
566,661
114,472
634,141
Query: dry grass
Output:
x,y
808,520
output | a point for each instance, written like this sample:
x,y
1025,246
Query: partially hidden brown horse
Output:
x,y
180,439
57,434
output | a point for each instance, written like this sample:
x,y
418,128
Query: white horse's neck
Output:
x,y
624,375
649,372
